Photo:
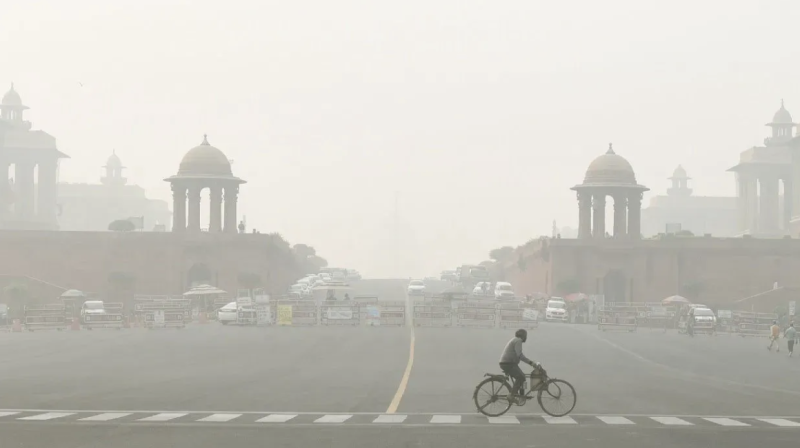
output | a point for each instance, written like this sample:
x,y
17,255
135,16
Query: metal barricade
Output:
x,y
616,319
476,313
432,313
517,315
389,314
364,302
169,313
46,317
340,313
753,324
297,313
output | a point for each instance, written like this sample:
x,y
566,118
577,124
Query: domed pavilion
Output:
x,y
204,166
610,175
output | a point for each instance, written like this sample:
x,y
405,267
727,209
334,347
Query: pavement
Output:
x,y
209,386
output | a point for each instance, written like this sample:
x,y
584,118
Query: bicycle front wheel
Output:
x,y
492,397
557,398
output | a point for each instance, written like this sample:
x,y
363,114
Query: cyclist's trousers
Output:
x,y
516,374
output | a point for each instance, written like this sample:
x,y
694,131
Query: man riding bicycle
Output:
x,y
509,361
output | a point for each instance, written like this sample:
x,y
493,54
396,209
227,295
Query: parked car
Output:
x,y
556,310
503,290
416,288
228,313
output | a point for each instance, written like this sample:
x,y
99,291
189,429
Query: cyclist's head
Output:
x,y
522,334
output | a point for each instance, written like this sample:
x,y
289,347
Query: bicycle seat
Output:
x,y
496,375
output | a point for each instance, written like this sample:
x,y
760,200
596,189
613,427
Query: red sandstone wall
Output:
x,y
728,269
159,261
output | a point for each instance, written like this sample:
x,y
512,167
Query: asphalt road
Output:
x,y
208,386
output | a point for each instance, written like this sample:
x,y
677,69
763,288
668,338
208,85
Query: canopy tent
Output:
x,y
73,294
675,300
204,290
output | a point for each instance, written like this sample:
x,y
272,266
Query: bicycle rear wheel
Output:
x,y
560,398
491,397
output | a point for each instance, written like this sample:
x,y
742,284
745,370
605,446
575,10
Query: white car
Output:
x,y
326,277
416,288
503,290
556,311
228,313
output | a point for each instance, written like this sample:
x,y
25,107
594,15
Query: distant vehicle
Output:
x,y
416,288
93,315
479,289
470,274
703,315
556,310
325,276
503,290
352,274
228,313
339,274
449,276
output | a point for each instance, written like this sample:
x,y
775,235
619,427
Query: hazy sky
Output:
x,y
481,114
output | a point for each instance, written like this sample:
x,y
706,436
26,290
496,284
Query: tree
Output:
x,y
693,289
501,254
304,251
316,262
568,286
249,280
18,295
121,225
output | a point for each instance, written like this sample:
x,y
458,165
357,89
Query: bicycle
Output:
x,y
546,388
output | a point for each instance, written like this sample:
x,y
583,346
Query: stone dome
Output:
x,y
679,173
113,160
610,168
205,160
11,98
782,116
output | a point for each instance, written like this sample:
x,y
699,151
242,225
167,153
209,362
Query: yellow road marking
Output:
x,y
401,389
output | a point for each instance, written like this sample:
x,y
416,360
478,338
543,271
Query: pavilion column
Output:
x,y
24,182
5,187
599,215
741,201
751,204
584,215
194,208
231,198
635,215
788,204
178,208
47,191
620,216
768,204
216,209
796,187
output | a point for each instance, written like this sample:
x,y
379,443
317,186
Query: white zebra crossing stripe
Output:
x,y
446,419
105,417
47,416
390,418
725,421
779,422
276,418
163,417
671,421
559,420
333,418
506,419
614,420
219,418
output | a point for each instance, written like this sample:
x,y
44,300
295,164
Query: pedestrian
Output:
x,y
775,332
790,334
